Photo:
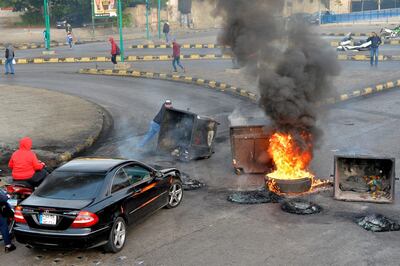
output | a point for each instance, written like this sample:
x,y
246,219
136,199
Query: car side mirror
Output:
x,y
158,175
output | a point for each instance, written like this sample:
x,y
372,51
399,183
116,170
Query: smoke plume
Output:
x,y
293,65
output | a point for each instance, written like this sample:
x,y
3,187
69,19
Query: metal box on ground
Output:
x,y
249,146
364,178
186,135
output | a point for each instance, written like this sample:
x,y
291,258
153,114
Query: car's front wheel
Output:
x,y
116,240
175,194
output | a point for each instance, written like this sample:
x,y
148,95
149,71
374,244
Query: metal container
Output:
x,y
249,145
364,178
186,135
293,185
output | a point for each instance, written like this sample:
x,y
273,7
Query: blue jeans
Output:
x,y
374,55
4,230
10,66
153,130
166,37
177,61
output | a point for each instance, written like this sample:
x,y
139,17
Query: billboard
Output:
x,y
105,8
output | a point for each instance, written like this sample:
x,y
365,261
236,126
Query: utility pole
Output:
x,y
91,2
147,20
379,5
47,23
159,19
121,39
319,12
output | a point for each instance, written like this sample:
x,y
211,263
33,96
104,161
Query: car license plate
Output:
x,y
12,202
47,219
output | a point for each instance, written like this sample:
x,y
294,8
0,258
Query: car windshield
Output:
x,y
71,186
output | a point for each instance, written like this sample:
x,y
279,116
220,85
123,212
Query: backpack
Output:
x,y
118,51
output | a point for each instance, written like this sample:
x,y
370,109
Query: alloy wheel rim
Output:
x,y
175,195
119,235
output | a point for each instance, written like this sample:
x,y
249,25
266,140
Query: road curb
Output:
x,y
344,34
26,46
184,46
56,60
361,57
212,84
86,143
223,87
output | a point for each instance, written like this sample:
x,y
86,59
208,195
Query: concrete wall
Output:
x,y
340,6
302,6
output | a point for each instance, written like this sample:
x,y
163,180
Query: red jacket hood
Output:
x,y
25,144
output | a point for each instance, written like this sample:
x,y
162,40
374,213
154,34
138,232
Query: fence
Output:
x,y
371,15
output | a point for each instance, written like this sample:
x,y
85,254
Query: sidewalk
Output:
x,y
60,125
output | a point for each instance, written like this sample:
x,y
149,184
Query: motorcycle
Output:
x,y
16,192
348,44
390,33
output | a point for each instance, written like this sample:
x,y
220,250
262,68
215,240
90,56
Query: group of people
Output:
x,y
27,168
176,49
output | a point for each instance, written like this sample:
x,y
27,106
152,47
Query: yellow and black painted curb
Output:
x,y
362,57
26,46
48,60
220,86
358,34
184,46
385,42
361,92
238,91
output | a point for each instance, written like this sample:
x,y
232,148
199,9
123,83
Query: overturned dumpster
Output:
x,y
186,135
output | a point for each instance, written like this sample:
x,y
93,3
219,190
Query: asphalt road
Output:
x,y
206,229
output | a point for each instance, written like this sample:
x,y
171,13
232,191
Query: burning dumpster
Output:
x,y
186,135
364,178
249,146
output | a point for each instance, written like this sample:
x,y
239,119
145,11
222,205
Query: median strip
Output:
x,y
184,46
223,87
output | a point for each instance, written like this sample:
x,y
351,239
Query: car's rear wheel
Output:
x,y
175,194
116,240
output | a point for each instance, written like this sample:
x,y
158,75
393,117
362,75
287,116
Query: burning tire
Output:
x,y
292,185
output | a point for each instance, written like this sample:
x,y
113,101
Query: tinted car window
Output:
x,y
120,181
71,186
137,173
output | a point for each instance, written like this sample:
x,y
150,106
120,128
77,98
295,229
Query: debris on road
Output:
x,y
254,197
300,206
377,223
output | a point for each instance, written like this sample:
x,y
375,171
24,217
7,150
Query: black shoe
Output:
x,y
10,248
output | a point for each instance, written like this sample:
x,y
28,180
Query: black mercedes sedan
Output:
x,y
89,202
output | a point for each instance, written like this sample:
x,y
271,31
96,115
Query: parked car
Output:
x,y
75,20
89,202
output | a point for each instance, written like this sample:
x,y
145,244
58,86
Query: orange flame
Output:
x,y
291,161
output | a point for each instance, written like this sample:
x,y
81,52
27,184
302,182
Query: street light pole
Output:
x,y
47,23
159,19
121,39
147,20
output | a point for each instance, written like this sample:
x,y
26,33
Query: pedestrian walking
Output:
x,y
5,212
155,124
166,31
114,50
68,27
69,39
176,55
374,52
10,61
45,39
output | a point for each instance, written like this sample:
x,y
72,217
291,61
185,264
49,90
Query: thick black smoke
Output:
x,y
294,66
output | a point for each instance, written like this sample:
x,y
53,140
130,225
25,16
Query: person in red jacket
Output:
x,y
176,54
25,166
114,50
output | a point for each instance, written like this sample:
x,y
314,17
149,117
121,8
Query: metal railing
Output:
x,y
371,15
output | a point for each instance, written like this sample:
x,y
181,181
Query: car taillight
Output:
x,y
10,189
18,217
85,219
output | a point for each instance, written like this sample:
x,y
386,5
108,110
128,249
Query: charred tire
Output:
x,y
117,238
175,194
